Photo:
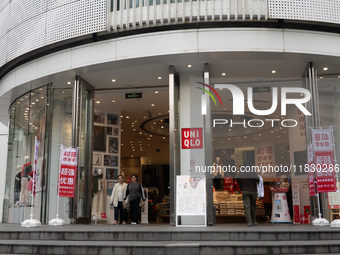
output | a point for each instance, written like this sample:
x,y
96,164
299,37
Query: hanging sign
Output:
x,y
323,160
192,138
324,171
68,171
296,203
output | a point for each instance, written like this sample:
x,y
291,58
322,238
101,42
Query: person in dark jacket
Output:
x,y
135,192
247,181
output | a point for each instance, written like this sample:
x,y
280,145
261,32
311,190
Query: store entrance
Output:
x,y
262,141
131,136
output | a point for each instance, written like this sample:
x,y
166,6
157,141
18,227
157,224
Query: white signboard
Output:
x,y
191,195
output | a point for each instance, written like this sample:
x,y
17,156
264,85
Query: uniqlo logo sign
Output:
x,y
192,138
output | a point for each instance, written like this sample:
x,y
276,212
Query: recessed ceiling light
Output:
x,y
189,66
113,101
127,117
152,104
98,102
339,76
223,74
159,78
273,71
156,92
113,80
69,83
321,77
325,68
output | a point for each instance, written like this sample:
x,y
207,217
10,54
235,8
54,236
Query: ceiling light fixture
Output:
x,y
273,71
69,83
189,66
325,68
223,74
159,77
113,80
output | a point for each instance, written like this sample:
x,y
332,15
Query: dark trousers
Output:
x,y
120,212
268,209
249,202
134,210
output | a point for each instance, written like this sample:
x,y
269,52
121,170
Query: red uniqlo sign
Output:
x,y
68,172
324,169
192,138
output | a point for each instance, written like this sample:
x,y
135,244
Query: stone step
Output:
x,y
183,247
151,235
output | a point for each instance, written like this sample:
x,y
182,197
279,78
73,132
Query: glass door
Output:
x,y
80,210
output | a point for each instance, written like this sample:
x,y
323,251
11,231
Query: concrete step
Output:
x,y
156,235
183,247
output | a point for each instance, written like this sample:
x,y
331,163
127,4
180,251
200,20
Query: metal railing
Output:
x,y
132,14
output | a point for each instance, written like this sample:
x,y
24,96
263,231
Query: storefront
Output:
x,y
275,142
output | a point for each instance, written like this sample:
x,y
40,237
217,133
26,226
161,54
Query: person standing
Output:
x,y
135,192
117,196
247,181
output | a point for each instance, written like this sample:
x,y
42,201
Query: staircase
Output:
x,y
166,239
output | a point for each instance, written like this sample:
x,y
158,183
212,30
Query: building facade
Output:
x,y
123,80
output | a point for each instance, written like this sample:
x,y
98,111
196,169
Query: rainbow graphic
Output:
x,y
211,95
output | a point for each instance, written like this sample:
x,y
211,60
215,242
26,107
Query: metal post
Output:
x,y
208,150
174,140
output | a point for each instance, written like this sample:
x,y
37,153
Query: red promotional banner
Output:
x,y
68,172
192,138
322,140
324,170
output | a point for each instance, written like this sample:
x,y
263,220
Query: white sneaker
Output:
x,y
133,223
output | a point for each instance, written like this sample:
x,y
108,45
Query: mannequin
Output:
x,y
218,174
98,193
26,169
17,186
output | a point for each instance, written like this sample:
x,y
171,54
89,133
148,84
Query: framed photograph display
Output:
x,y
113,144
97,159
99,117
110,160
115,132
109,130
99,138
112,119
111,173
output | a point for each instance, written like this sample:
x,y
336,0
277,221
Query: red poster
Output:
x,y
192,138
296,214
68,172
324,171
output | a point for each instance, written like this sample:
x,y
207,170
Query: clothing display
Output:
x,y
98,194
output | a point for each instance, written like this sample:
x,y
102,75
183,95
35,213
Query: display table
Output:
x,y
280,211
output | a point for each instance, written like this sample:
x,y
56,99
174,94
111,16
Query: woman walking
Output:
x,y
117,196
135,192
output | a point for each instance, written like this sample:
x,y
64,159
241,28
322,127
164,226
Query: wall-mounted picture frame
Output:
x,y
109,130
115,131
97,159
99,138
112,119
111,173
113,144
99,117
110,160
